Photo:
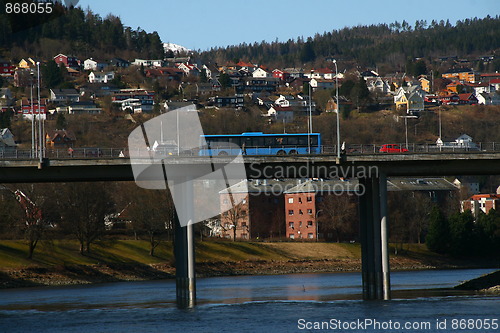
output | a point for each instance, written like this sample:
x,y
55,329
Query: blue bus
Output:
x,y
258,143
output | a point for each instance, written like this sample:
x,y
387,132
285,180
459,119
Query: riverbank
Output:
x,y
60,263
488,283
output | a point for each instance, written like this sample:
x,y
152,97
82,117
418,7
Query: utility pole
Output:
x,y
40,133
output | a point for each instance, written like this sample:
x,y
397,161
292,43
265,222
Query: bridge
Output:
x,y
371,170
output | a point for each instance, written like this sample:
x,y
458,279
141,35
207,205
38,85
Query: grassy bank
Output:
x,y
59,262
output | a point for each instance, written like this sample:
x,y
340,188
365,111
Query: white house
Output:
x,y
64,95
296,102
189,69
484,87
378,85
149,62
135,105
467,184
5,97
94,65
259,72
488,98
322,83
6,139
322,73
101,77
411,98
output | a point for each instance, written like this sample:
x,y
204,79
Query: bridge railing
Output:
x,y
95,152
427,148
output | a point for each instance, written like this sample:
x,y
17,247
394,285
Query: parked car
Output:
x,y
392,148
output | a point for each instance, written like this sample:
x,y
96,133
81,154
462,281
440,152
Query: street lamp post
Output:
x,y
406,127
309,129
337,106
33,150
40,134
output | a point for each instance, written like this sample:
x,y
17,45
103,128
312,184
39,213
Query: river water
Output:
x,y
278,303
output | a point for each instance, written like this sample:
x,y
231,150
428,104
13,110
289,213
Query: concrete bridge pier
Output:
x,y
373,232
184,249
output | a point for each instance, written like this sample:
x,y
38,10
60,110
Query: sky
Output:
x,y
202,24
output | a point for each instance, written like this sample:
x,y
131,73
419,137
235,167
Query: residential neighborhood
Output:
x,y
280,90
282,96
287,166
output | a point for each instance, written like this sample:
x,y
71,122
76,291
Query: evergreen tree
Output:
x,y
346,88
5,118
487,233
225,80
61,121
461,233
307,54
52,75
360,95
438,235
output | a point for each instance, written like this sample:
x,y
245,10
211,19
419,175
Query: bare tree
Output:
x,y
421,205
151,212
231,219
11,213
338,214
39,213
84,207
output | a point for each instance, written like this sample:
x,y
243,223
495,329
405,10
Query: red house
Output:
x,y
6,68
67,61
467,99
282,75
26,108
452,99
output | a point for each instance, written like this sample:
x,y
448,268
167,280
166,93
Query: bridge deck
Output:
x,y
297,166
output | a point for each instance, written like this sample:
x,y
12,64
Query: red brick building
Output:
x,y
303,205
260,213
481,202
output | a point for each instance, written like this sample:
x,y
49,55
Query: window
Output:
x,y
293,141
290,224
243,224
310,235
300,200
309,199
290,212
300,212
292,236
244,236
309,223
290,200
243,213
300,224
310,211
244,201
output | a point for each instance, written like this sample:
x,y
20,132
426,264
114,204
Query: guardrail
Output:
x,y
427,148
64,153
351,149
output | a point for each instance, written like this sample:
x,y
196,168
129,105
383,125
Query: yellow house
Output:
x,y
425,84
462,74
410,98
27,63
